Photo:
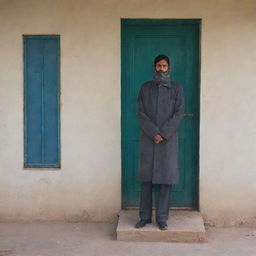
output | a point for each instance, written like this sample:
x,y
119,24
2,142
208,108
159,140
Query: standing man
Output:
x,y
160,107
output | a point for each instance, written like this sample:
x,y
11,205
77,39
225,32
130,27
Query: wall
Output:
x,y
88,186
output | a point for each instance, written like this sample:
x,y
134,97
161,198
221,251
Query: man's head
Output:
x,y
162,69
162,63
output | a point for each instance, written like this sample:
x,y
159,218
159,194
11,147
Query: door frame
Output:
x,y
131,21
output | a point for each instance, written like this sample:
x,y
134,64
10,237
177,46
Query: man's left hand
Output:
x,y
158,138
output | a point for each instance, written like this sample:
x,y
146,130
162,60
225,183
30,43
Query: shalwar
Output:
x,y
162,205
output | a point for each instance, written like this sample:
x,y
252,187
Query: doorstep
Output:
x,y
183,226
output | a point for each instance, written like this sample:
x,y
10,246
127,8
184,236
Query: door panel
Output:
x,y
142,41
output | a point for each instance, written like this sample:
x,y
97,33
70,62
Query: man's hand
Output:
x,y
158,138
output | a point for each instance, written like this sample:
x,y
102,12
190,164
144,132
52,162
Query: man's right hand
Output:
x,y
158,138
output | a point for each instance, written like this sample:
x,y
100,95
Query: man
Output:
x,y
160,107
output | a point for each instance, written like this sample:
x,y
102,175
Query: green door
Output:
x,y
142,41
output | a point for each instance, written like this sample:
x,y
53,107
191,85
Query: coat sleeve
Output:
x,y
172,124
147,125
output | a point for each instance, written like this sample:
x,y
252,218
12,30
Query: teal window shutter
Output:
x,y
41,101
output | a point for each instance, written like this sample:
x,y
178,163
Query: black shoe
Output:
x,y
142,223
162,225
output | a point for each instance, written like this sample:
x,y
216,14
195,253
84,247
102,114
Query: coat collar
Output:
x,y
168,85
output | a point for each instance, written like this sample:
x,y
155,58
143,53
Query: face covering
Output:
x,y
162,77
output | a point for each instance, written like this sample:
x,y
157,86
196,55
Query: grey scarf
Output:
x,y
162,78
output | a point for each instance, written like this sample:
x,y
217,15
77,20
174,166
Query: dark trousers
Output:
x,y
162,204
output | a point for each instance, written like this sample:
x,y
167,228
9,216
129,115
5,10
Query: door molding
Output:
x,y
163,22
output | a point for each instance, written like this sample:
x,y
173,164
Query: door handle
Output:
x,y
189,114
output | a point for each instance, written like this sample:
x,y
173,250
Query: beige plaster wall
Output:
x,y
88,186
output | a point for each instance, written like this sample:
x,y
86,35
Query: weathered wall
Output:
x,y
88,186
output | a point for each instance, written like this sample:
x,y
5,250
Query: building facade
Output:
x,y
89,181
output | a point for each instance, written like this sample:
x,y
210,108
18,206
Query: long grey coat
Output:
x,y
160,110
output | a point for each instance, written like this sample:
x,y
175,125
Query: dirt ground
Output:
x,y
75,239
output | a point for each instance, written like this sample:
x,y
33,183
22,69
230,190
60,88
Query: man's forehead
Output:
x,y
162,62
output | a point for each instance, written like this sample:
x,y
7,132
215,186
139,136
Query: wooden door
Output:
x,y
142,41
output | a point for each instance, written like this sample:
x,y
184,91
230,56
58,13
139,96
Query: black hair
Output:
x,y
161,57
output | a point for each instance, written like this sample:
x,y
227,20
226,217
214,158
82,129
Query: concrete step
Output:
x,y
183,226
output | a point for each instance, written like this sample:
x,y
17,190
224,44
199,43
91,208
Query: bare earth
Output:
x,y
75,239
